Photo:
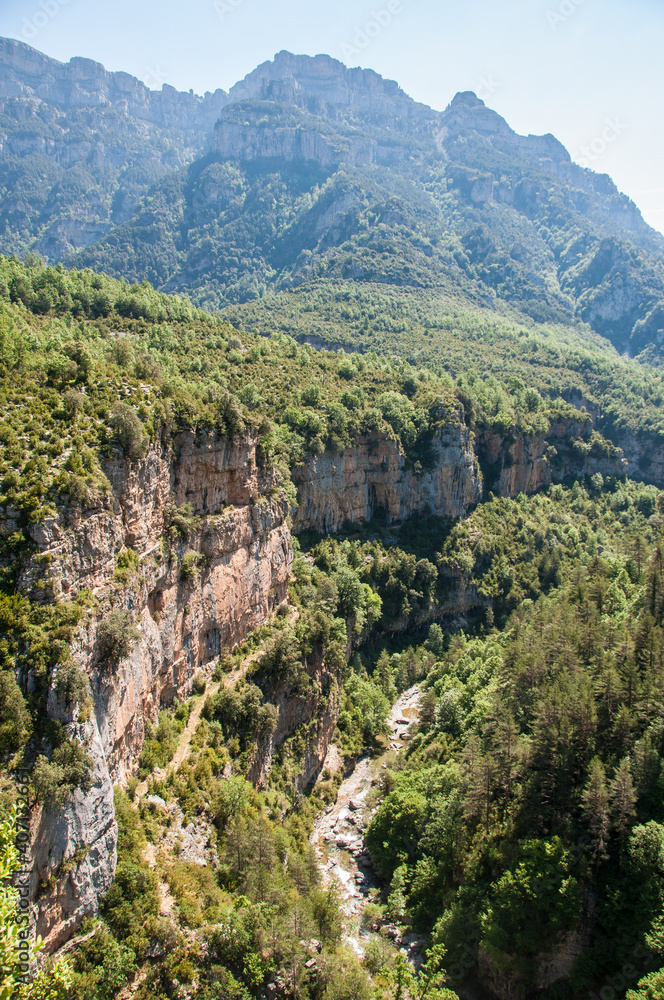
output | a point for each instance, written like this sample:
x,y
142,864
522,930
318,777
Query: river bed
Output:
x,y
338,834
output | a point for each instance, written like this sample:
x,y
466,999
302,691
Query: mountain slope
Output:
x,y
317,172
80,146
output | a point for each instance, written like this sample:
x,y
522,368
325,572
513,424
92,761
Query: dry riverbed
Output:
x,y
338,834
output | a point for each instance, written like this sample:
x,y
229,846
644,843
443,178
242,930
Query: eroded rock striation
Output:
x,y
375,478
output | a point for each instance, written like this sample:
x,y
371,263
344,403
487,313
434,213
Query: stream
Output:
x,y
338,834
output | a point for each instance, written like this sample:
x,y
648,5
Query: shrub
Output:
x,y
126,565
116,636
15,723
69,768
179,520
199,684
128,431
72,683
73,401
189,566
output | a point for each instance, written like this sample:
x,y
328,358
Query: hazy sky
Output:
x,y
589,71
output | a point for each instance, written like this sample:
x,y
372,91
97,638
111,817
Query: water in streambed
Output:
x,y
338,834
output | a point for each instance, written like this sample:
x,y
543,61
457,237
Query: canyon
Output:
x,y
199,591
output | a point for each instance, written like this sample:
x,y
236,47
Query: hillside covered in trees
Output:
x,y
517,835
307,172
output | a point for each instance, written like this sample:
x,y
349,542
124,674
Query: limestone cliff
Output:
x,y
27,73
515,462
374,478
200,589
324,85
308,707
237,554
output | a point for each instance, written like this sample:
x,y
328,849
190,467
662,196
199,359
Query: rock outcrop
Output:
x,y
74,851
198,585
235,141
516,463
310,709
373,478
25,72
191,594
323,85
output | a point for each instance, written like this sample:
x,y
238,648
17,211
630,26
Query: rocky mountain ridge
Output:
x,y
362,184
83,83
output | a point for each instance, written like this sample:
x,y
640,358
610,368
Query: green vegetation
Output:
x,y
533,782
534,626
521,831
116,636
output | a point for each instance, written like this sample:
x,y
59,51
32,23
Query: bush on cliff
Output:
x,y
116,636
128,431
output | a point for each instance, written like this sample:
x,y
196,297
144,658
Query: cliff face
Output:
x,y
373,478
644,456
25,72
234,141
74,851
238,557
518,463
199,590
309,708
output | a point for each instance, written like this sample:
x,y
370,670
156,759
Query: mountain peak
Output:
x,y
320,84
467,99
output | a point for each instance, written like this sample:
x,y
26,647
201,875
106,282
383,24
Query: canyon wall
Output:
x,y
308,707
197,590
189,596
374,477
516,463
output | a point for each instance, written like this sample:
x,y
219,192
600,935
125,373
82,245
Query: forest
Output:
x,y
521,829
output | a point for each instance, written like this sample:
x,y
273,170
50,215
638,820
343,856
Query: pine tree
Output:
x,y
623,798
596,807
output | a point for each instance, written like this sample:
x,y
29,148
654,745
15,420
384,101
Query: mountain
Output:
x,y
80,147
312,659
309,173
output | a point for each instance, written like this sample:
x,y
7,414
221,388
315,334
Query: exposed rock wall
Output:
x,y
74,851
237,558
313,712
373,477
644,455
236,141
518,463
241,556
25,72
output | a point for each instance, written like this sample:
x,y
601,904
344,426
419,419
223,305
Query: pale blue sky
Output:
x,y
589,71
